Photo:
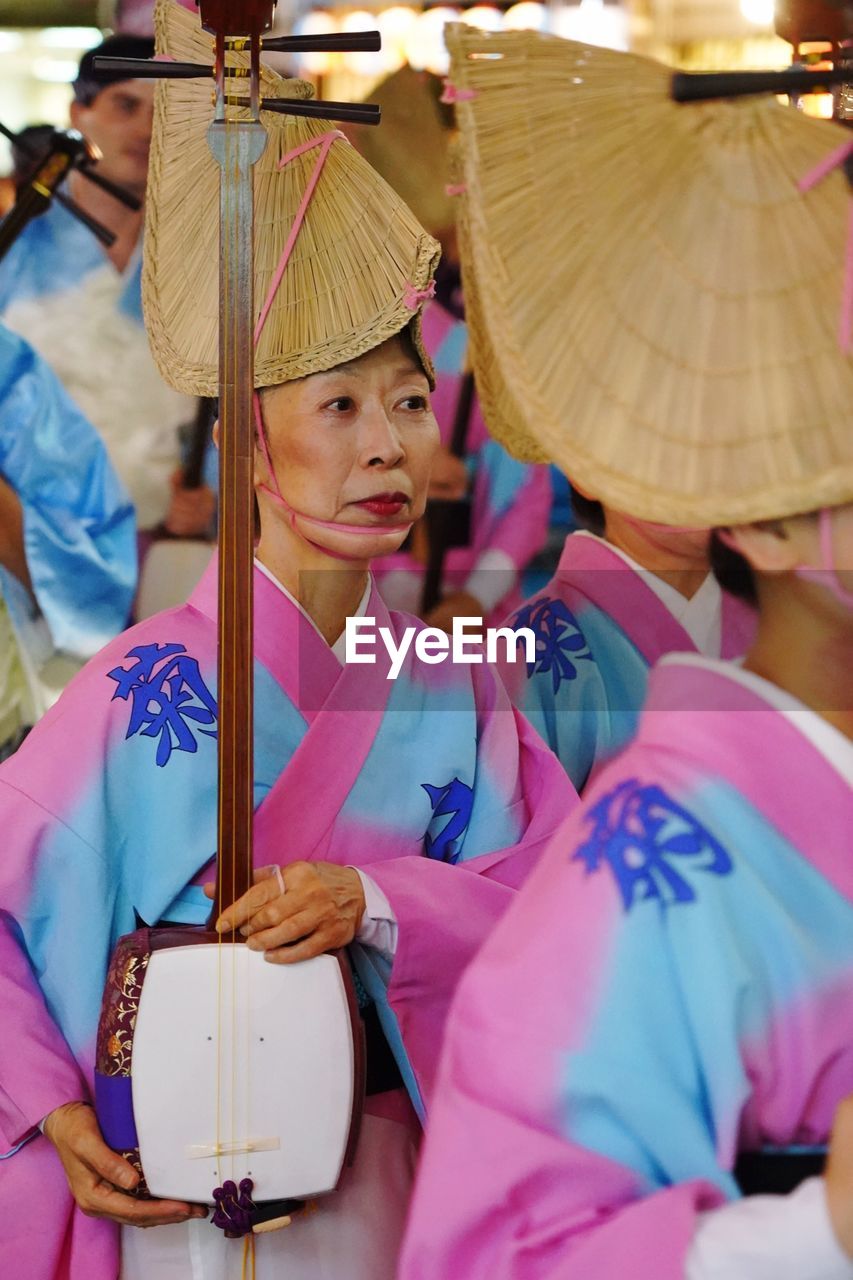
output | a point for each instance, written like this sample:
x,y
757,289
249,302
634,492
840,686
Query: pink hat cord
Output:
x,y
827,574
412,297
452,94
828,165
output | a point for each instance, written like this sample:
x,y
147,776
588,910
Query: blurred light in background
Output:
x,y
395,26
362,64
425,49
483,16
759,12
593,22
55,70
529,15
316,23
80,38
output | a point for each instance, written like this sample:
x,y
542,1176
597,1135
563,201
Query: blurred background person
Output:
x,y
67,541
79,304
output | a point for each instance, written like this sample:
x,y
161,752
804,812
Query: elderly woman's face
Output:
x,y
352,446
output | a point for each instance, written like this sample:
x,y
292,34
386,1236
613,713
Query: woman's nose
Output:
x,y
382,445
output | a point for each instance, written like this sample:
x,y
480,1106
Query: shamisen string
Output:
x,y
412,298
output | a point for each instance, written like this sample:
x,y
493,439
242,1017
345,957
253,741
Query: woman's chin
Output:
x,y
359,547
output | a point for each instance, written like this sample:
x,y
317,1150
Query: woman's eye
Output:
x,y
416,403
341,404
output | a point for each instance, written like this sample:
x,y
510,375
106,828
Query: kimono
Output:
x,y
673,987
112,801
79,530
510,500
600,624
60,292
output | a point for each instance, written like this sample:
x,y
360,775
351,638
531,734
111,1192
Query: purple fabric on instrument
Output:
x,y
114,1104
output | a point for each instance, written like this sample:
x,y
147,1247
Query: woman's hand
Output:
x,y
459,604
94,1173
191,511
321,909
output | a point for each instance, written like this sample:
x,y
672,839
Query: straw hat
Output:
x,y
410,148
359,263
653,304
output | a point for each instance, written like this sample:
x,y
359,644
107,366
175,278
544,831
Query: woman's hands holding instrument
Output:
x,y
321,909
100,1179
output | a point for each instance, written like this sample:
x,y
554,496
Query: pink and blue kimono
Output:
x,y
673,987
510,500
599,627
432,784
79,527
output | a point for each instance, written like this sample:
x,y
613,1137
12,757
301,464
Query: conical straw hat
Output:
x,y
653,304
410,148
358,262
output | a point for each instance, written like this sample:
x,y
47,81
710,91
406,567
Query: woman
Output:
x,y
363,811
672,993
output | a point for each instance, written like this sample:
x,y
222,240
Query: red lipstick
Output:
x,y
384,504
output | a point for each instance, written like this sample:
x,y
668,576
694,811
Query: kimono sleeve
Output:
x,y
446,909
79,526
576,1129
38,1071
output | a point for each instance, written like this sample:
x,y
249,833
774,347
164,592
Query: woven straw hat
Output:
x,y
359,262
652,303
410,148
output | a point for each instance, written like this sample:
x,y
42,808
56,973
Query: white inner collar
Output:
x,y
338,648
700,616
832,744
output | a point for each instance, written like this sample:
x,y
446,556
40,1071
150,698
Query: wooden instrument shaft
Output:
x,y
237,146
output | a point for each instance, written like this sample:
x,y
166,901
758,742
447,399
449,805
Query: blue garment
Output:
x,y
79,528
55,252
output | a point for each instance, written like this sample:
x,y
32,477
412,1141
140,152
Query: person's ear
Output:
x,y
261,475
216,433
772,546
76,116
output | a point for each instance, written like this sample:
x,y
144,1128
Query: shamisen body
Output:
x,y
361,813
